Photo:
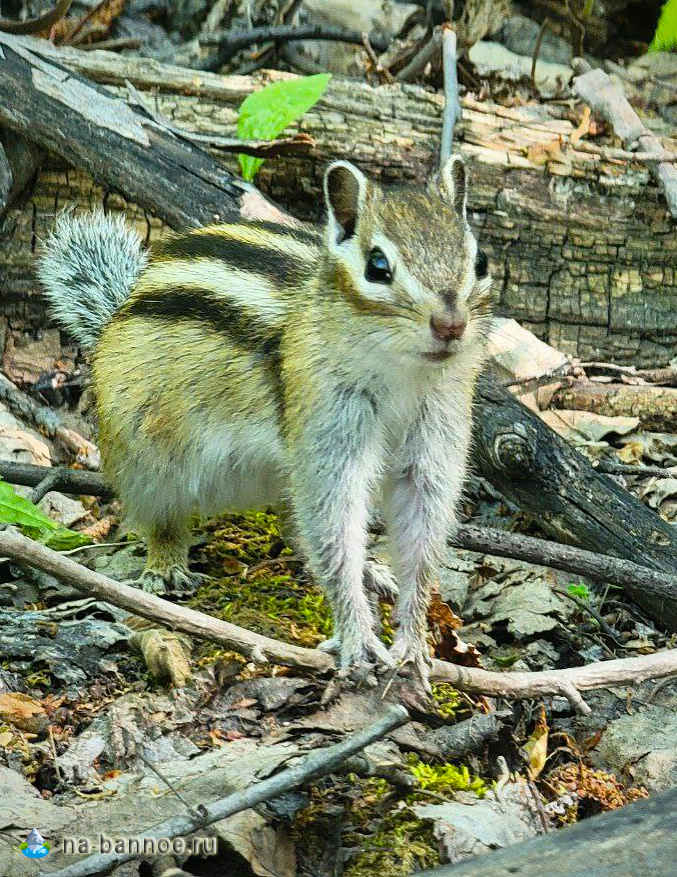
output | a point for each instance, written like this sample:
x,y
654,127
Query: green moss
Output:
x,y
447,699
402,845
444,779
256,584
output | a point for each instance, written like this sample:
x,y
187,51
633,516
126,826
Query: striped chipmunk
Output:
x,y
246,365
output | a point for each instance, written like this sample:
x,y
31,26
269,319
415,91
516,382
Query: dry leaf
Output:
x,y
23,712
583,127
535,750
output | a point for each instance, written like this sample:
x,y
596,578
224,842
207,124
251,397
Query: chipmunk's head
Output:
x,y
407,259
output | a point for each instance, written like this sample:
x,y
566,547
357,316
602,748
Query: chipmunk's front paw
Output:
x,y
412,659
361,657
174,580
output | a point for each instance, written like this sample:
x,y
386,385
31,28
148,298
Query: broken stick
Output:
x,y
516,686
318,763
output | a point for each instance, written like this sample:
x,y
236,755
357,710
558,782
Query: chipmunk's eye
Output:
x,y
378,268
481,264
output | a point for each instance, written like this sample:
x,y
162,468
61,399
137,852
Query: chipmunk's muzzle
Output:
x,y
446,327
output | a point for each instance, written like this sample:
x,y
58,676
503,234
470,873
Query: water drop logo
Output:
x,y
34,847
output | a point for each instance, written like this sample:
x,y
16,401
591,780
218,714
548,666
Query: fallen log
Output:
x,y
64,113
261,649
589,267
656,407
637,839
541,473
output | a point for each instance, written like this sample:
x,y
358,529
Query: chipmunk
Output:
x,y
242,365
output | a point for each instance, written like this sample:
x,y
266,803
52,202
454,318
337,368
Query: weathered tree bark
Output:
x,y
542,473
637,839
581,248
518,452
656,407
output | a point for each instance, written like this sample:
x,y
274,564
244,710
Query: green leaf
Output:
x,y
581,591
266,113
15,509
665,38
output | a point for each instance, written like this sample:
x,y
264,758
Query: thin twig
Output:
x,y
230,42
318,763
537,49
513,685
73,481
378,67
632,577
83,21
451,104
198,812
422,57
48,483
584,606
611,468
35,25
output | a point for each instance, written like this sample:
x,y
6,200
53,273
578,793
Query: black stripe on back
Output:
x,y
306,235
177,303
275,264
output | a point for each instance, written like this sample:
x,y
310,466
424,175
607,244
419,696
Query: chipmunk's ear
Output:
x,y
453,184
345,191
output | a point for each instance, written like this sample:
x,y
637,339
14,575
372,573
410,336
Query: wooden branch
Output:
x,y
655,406
647,587
567,683
66,115
639,838
452,108
74,481
572,501
642,584
231,41
318,763
35,25
596,89
260,648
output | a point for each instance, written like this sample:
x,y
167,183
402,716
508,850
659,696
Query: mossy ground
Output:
x,y
257,583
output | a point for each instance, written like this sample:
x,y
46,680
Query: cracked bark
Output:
x,y
582,250
540,472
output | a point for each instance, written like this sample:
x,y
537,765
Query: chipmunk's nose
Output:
x,y
447,327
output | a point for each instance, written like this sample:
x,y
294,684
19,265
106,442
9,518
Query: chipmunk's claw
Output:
x,y
174,580
412,660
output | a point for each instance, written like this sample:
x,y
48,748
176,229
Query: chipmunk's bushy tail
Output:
x,y
88,267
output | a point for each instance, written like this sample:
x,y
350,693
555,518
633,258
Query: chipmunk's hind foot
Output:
x,y
176,579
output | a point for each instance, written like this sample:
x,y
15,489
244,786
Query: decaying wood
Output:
x,y
66,115
317,763
568,683
542,473
656,407
581,247
637,839
655,592
605,98
85,452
